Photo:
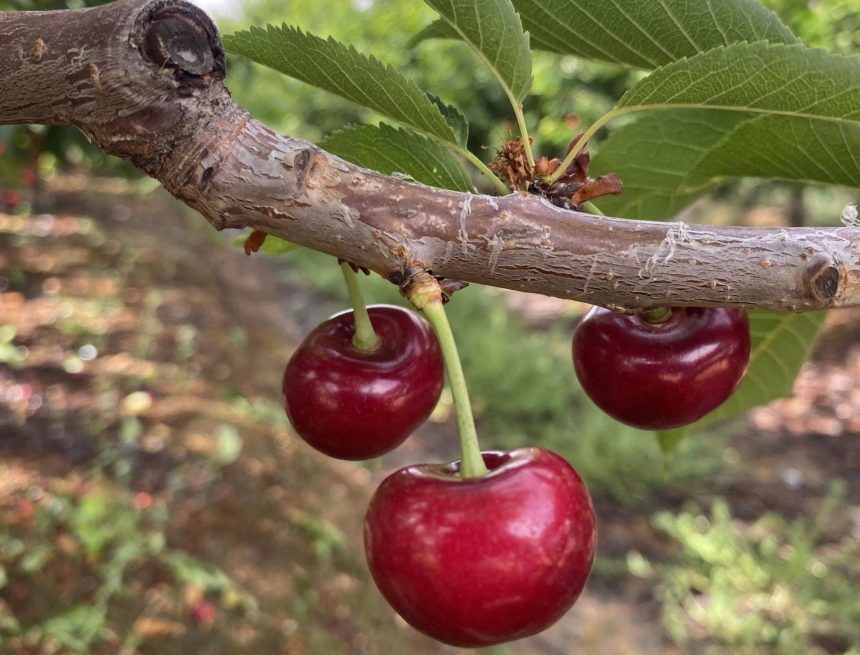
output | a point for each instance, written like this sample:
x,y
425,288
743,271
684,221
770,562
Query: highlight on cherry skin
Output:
x,y
665,372
357,404
479,561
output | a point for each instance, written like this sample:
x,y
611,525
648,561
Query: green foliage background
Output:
x,y
384,30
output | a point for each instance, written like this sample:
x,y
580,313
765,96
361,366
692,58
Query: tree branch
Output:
x,y
144,80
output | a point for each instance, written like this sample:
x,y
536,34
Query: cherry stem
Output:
x,y
657,315
471,463
365,337
591,208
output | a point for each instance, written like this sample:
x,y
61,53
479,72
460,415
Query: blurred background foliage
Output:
x,y
830,24
727,581
566,93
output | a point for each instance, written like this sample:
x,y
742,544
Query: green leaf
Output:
x,y
273,245
760,78
655,155
495,32
646,34
390,150
668,159
342,70
793,114
780,345
786,148
456,119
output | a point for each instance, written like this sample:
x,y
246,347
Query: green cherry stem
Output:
x,y
524,133
591,208
501,188
365,337
657,315
471,463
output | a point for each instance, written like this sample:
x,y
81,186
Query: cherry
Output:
x,y
477,561
357,404
662,374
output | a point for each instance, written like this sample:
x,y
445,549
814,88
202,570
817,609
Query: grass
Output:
x,y
770,586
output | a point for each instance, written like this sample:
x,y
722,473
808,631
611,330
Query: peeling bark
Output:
x,y
144,80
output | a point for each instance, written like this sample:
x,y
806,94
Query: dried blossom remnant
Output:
x,y
512,165
450,287
604,185
254,242
545,167
574,187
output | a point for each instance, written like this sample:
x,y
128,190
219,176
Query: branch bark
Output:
x,y
144,80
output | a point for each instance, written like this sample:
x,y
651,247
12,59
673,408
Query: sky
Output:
x,y
233,7
219,7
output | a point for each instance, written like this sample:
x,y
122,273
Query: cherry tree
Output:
x,y
730,92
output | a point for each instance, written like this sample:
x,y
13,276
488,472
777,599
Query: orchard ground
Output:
x,y
140,363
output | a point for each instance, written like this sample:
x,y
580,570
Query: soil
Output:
x,y
128,310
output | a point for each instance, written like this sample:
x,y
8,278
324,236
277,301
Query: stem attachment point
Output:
x,y
657,315
365,337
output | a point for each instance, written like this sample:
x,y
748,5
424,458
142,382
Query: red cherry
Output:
x,y
479,561
354,404
657,376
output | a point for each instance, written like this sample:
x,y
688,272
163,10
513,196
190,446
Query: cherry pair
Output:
x,y
470,557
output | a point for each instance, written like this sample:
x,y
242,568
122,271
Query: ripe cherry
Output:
x,y
357,404
662,374
479,561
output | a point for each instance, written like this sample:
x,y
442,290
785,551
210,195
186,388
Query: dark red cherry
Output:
x,y
354,404
661,375
479,561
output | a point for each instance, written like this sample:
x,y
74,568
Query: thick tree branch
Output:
x,y
143,79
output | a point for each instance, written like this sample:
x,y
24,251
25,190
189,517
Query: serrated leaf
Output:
x,y
647,34
760,78
780,345
495,32
341,70
655,155
390,150
456,119
668,159
784,147
794,114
